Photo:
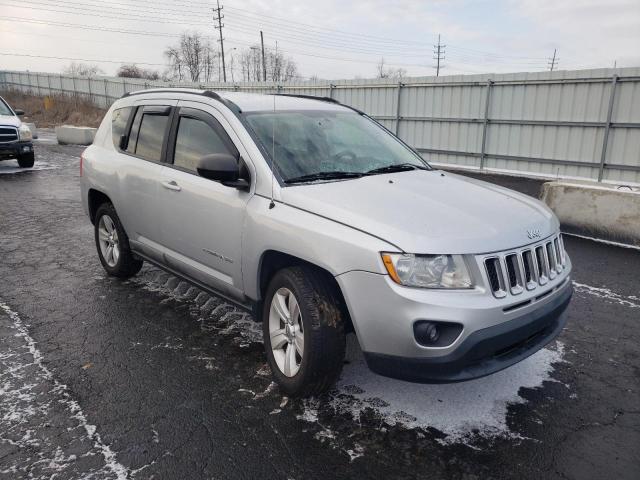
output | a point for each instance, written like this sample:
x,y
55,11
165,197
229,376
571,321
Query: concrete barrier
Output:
x,y
603,211
68,135
34,130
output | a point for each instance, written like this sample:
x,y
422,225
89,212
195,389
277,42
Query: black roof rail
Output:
x,y
206,93
310,97
322,99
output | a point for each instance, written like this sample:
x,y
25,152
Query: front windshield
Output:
x,y
4,108
320,142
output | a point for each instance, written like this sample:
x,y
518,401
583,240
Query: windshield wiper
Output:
x,y
397,167
331,175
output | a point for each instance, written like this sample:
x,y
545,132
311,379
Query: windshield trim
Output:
x,y
349,111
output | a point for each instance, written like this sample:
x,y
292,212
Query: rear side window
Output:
x,y
119,122
195,139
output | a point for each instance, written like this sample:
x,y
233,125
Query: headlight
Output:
x,y
25,133
428,271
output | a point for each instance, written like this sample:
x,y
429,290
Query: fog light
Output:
x,y
431,332
436,334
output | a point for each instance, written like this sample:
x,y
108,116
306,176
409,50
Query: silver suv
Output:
x,y
321,222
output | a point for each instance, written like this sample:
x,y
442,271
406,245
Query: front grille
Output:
x,y
8,134
526,269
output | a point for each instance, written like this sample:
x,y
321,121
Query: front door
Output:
x,y
202,219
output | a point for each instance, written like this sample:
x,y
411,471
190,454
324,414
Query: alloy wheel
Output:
x,y
286,332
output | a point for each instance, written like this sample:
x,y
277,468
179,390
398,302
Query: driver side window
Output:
x,y
195,138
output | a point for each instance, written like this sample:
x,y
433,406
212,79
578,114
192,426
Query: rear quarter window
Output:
x,y
119,122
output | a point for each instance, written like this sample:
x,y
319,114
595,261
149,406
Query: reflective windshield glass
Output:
x,y
317,142
4,108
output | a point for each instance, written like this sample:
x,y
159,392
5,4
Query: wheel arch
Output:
x,y
95,198
273,261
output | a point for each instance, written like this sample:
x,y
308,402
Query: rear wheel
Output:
x,y
113,244
303,331
27,160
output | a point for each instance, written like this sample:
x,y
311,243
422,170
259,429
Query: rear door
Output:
x,y
203,219
145,152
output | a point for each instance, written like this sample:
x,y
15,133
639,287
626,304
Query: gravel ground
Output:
x,y
153,378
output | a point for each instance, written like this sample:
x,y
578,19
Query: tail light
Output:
x,y
81,162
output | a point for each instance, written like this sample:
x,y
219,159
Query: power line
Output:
x,y
79,59
257,23
439,55
219,18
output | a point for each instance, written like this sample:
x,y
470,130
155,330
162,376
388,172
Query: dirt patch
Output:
x,y
53,110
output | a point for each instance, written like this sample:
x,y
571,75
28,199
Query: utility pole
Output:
x,y
219,18
264,64
553,62
439,55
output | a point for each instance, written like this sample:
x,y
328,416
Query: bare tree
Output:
x,y
192,59
381,71
279,67
132,70
78,69
386,72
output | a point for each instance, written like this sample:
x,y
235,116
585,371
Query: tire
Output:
x,y
322,329
27,160
119,260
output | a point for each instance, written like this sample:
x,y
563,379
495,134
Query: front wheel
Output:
x,y
303,329
27,160
113,244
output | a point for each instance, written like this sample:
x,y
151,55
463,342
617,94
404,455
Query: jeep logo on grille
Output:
x,y
533,233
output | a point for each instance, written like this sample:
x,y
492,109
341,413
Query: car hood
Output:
x,y
10,120
429,211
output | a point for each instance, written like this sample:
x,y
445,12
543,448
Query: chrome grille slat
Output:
x,y
551,259
528,268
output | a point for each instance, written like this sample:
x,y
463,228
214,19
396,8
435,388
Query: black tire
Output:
x,y
126,265
27,160
323,329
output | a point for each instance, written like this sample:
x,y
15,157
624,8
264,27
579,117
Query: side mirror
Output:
x,y
123,143
19,112
223,168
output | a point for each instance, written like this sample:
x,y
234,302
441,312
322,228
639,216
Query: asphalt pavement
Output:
x,y
153,378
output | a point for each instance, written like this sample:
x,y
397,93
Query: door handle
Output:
x,y
172,185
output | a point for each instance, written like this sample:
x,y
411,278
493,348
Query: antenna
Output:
x,y
273,151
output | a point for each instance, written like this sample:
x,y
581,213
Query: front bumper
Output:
x,y
483,352
495,335
15,149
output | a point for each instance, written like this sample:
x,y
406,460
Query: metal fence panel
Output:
x,y
583,123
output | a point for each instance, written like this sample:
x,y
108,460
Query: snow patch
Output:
x,y
459,410
20,403
608,294
10,167
600,240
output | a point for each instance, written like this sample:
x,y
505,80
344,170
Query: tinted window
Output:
x,y
195,139
4,108
119,122
135,127
150,136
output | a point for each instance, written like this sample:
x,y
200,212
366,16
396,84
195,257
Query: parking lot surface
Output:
x,y
153,378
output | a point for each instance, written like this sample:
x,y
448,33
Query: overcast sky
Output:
x,y
330,38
